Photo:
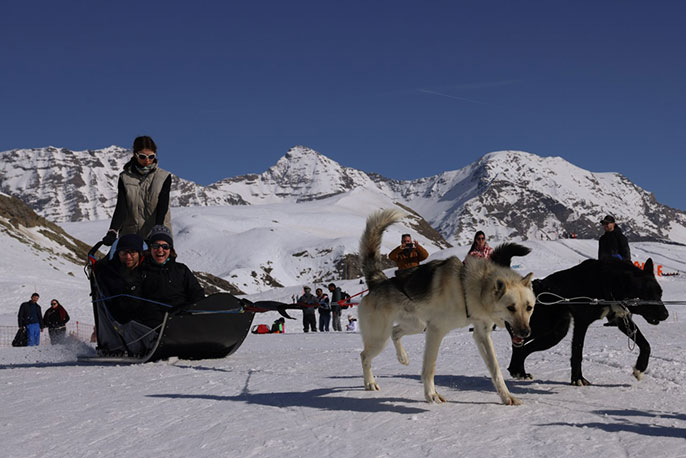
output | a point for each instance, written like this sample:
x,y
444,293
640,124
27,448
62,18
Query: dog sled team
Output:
x,y
483,292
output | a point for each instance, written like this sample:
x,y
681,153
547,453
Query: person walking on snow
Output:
x,y
56,319
31,318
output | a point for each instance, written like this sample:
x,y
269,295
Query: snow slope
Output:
x,y
301,394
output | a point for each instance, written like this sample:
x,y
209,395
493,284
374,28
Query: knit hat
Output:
x,y
130,242
160,233
608,219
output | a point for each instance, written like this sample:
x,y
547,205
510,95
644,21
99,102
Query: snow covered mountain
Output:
x,y
65,185
510,195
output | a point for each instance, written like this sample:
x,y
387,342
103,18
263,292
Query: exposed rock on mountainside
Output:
x,y
20,222
511,195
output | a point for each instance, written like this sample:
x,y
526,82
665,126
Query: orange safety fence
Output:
x,y
77,330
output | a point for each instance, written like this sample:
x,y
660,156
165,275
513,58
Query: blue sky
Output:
x,y
404,88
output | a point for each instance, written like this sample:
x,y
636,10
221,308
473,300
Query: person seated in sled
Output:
x,y
120,275
165,280
408,254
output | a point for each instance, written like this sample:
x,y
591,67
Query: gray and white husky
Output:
x,y
437,297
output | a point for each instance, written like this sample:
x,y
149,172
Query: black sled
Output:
x,y
214,327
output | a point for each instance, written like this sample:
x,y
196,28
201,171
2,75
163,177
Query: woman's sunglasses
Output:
x,y
143,157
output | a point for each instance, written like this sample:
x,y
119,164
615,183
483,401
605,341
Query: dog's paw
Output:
x,y
580,382
402,357
434,398
510,400
638,374
372,386
522,376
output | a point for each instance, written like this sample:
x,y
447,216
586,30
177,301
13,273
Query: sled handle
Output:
x,y
91,253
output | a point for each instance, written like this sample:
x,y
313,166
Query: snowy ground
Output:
x,y
301,395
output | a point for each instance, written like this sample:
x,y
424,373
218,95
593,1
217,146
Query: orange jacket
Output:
x,y
406,259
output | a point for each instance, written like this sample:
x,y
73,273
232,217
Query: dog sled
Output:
x,y
214,327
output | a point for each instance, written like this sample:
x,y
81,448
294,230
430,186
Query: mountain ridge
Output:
x,y
511,195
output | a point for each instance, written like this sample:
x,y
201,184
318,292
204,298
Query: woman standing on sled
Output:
x,y
143,194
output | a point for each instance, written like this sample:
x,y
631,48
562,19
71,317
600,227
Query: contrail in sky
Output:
x,y
440,94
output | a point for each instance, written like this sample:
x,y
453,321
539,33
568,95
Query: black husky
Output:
x,y
606,279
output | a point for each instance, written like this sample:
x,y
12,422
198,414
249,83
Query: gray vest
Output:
x,y
142,194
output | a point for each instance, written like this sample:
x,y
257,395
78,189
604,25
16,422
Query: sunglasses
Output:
x,y
128,252
53,303
481,238
143,157
164,246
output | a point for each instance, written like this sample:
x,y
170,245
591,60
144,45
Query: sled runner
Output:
x,y
213,327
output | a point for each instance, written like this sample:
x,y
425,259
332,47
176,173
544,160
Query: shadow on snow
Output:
x,y
317,399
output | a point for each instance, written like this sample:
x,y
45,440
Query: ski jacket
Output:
x,y
407,258
484,252
309,302
142,200
171,283
115,279
324,306
613,244
55,317
336,295
30,313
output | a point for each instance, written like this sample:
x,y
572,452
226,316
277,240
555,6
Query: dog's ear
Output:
x,y
648,267
526,281
499,289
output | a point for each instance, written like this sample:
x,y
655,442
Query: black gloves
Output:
x,y
109,238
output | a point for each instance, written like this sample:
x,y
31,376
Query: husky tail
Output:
x,y
370,245
503,253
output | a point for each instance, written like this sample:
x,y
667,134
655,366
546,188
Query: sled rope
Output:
x,y
347,302
584,300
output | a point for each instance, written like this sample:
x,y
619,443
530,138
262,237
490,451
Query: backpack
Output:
x,y
345,297
21,339
260,329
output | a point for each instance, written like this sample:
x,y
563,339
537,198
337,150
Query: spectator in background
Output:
x,y
56,319
352,324
308,302
143,194
408,254
613,243
278,326
336,296
479,248
324,310
31,318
